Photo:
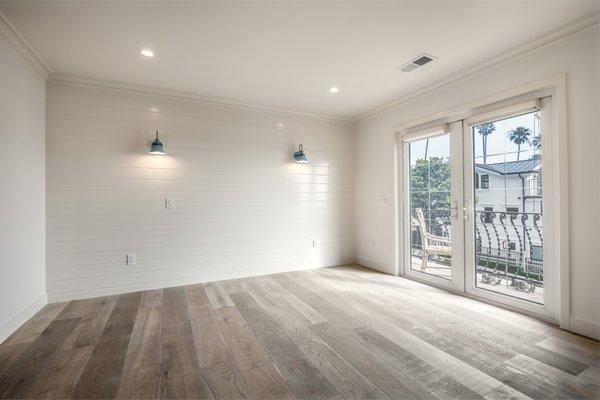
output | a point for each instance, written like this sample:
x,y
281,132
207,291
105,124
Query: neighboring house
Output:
x,y
513,188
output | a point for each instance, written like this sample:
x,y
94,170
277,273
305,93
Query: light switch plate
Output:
x,y
170,202
131,259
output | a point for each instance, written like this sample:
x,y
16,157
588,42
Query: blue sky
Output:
x,y
499,148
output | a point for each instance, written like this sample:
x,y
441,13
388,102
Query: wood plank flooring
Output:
x,y
331,333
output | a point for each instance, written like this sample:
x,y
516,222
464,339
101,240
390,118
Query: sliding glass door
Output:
x,y
434,191
508,257
508,214
474,196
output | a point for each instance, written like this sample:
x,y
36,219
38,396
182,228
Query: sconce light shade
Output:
x,y
156,147
299,156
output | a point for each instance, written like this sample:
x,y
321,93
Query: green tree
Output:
x,y
430,189
519,136
484,130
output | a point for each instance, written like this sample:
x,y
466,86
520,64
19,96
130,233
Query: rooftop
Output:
x,y
511,167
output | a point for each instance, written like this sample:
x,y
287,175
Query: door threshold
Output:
x,y
540,317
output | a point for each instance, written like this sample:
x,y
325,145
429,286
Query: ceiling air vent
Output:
x,y
416,63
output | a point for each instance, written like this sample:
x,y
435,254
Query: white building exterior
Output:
x,y
509,211
509,186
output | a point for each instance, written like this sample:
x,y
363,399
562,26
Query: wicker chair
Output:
x,y
431,244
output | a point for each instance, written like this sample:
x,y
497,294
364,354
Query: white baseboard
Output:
x,y
585,328
18,320
87,294
381,267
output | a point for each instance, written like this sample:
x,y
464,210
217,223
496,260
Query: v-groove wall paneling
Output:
x,y
242,206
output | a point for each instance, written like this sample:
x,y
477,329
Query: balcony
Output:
x,y
508,252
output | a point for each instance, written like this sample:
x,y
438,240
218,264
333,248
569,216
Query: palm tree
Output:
x,y
484,130
518,136
536,142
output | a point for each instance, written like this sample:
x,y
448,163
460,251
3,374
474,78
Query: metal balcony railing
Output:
x,y
508,244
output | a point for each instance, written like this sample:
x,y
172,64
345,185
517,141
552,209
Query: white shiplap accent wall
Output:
x,y
242,206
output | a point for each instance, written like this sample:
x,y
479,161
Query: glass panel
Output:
x,y
430,241
508,207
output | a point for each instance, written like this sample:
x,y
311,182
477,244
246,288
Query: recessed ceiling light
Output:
x,y
334,89
147,53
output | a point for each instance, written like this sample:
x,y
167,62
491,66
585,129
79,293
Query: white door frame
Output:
x,y
548,310
554,86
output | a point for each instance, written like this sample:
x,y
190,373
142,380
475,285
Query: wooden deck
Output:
x,y
343,332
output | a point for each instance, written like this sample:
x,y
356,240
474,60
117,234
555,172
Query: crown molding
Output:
x,y
186,96
19,43
518,51
8,31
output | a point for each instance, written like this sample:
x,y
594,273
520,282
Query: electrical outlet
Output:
x,y
314,244
131,259
170,202
385,200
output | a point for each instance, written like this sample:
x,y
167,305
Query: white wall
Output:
x,y
242,206
22,193
578,56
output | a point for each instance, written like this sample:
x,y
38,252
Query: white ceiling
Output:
x,y
282,54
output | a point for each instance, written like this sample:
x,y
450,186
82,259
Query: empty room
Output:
x,y
300,199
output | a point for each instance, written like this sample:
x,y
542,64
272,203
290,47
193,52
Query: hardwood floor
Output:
x,y
342,332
